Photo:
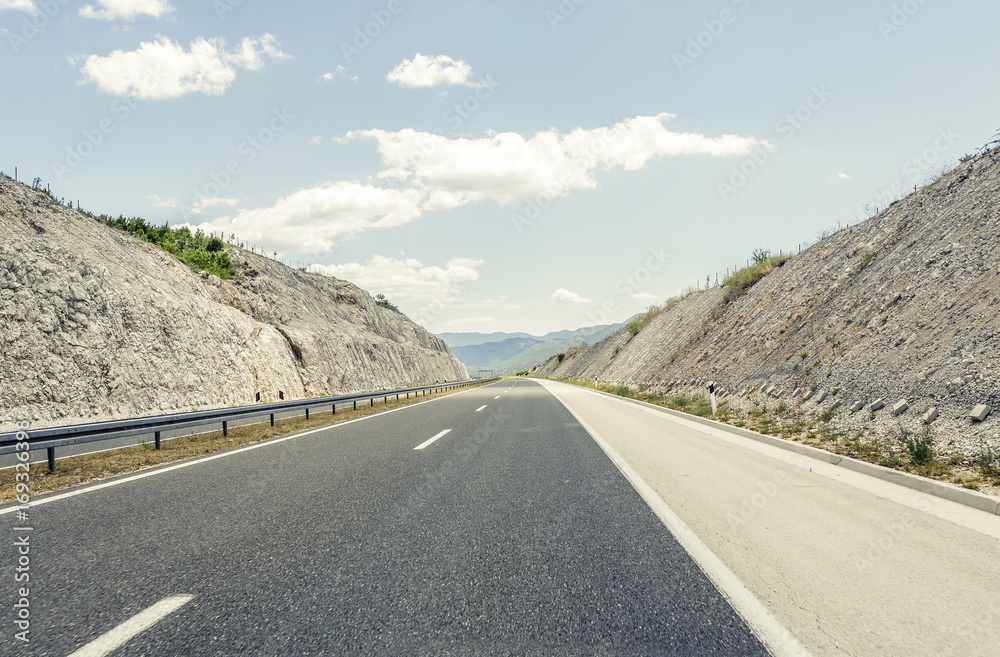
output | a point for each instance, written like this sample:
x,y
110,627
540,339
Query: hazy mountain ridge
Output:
x,y
503,356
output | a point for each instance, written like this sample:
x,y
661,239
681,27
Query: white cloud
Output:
x,y
565,296
164,202
424,71
508,168
645,296
842,176
199,207
164,69
127,9
407,280
339,72
312,220
206,202
19,5
316,140
436,173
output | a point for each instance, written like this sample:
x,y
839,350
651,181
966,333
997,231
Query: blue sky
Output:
x,y
516,166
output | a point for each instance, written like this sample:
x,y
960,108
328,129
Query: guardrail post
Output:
x,y
385,400
334,408
52,459
156,439
272,419
372,400
355,404
225,429
307,412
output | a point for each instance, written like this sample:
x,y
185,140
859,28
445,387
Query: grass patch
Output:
x,y
643,320
988,463
919,447
736,284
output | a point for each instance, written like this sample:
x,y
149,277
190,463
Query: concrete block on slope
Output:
x,y
857,407
877,404
820,396
900,407
930,416
980,412
807,395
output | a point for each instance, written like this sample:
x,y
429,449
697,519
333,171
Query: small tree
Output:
x,y
760,256
382,302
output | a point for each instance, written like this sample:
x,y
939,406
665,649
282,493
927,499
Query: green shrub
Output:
x,y
989,462
742,280
196,250
382,302
919,447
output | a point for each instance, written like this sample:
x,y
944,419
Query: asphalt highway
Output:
x,y
509,531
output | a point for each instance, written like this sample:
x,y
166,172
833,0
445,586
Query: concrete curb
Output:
x,y
962,496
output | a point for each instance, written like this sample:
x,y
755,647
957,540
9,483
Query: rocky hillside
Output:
x,y
96,324
904,306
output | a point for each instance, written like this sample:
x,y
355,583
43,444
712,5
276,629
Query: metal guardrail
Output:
x,y
52,437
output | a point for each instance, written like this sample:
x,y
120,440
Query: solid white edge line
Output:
x,y
274,441
428,442
109,641
481,408
775,637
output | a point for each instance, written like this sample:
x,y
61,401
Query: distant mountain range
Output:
x,y
507,353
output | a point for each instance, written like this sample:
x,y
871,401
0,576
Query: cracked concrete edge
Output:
x,y
962,496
